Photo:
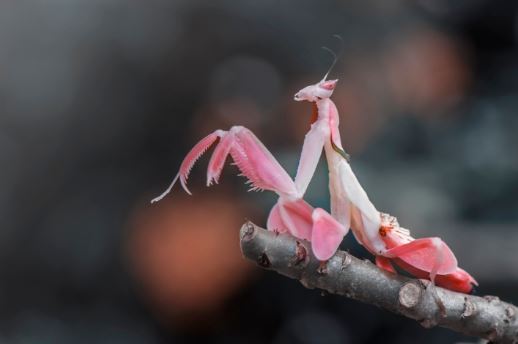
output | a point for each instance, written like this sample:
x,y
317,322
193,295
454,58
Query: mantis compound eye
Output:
x,y
303,95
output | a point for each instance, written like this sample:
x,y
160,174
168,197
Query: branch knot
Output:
x,y
409,295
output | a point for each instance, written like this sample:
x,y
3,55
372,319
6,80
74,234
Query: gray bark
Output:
x,y
485,317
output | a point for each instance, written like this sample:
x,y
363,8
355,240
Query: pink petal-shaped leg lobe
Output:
x,y
385,264
259,165
428,254
459,280
217,161
327,234
274,222
297,217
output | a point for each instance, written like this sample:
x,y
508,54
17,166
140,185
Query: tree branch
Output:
x,y
486,317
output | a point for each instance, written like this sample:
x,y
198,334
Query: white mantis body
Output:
x,y
350,206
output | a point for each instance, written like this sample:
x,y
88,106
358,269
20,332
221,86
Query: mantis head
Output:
x,y
323,89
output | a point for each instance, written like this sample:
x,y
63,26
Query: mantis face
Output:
x,y
322,90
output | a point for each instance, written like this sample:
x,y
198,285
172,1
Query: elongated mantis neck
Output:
x,y
323,108
326,111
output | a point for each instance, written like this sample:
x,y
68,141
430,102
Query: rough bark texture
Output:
x,y
486,317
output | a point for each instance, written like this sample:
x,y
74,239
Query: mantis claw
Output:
x,y
168,190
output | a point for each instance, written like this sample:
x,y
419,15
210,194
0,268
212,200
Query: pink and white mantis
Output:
x,y
379,233
351,208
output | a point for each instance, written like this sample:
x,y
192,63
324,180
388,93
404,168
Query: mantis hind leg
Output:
x,y
430,255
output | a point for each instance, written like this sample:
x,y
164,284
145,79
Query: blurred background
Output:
x,y
100,101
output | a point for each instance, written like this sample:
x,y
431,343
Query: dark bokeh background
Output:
x,y
100,100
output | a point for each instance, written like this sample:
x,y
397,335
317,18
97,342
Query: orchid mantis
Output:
x,y
379,233
351,208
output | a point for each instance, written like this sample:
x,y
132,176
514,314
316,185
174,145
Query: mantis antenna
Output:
x,y
335,56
